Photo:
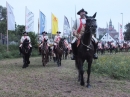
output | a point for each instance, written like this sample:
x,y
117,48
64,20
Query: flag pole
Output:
x,y
7,28
38,26
39,23
71,31
25,17
51,25
75,11
63,26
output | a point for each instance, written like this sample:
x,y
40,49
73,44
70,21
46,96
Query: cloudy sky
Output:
x,y
106,10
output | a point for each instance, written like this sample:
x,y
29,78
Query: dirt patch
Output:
x,y
53,81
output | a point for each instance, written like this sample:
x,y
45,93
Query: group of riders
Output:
x,y
78,30
111,45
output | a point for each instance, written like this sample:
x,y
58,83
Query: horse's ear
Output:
x,y
94,15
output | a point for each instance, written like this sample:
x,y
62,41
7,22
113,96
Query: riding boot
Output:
x,y
39,50
74,50
30,50
95,56
20,51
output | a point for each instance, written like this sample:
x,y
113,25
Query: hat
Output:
x,y
25,32
82,10
44,32
58,32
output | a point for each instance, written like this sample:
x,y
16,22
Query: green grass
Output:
x,y
13,52
116,66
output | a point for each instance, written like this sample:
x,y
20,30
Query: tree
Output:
x,y
3,21
3,26
127,32
34,39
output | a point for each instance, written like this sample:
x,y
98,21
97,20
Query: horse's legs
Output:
x,y
43,60
60,60
88,72
57,59
81,72
24,62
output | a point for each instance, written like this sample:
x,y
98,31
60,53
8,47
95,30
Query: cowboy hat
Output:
x,y
82,10
44,32
25,32
58,32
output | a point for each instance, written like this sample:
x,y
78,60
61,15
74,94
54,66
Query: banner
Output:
x,y
54,24
29,21
10,17
42,21
66,28
121,37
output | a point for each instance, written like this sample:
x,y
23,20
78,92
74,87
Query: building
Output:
x,y
108,33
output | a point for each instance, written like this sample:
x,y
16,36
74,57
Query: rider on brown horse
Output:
x,y
42,40
78,30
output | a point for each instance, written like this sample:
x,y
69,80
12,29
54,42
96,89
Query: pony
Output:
x,y
59,50
85,50
44,52
25,50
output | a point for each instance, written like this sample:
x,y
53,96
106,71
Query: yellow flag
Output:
x,y
54,24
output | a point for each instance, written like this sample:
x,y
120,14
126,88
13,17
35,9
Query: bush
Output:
x,y
13,52
115,66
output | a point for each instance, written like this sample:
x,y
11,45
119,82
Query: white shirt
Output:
x,y
44,37
57,38
25,37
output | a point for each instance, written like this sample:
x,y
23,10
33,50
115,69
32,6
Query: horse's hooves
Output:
x,y
82,83
28,62
24,67
88,86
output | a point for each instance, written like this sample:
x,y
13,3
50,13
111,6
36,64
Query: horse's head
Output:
x,y
45,43
91,24
26,43
25,47
61,43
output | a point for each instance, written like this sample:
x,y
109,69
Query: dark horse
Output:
x,y
45,52
26,53
85,50
59,50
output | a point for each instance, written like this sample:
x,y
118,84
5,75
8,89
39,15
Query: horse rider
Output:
x,y
25,36
78,30
57,38
56,41
66,43
99,45
44,36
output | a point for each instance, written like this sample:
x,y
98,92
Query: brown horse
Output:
x,y
59,50
44,53
85,50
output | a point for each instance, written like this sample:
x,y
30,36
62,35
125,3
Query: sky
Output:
x,y
106,10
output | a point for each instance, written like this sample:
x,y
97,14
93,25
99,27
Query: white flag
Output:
x,y
66,27
97,34
29,21
10,17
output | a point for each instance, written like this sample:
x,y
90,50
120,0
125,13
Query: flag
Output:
x,y
97,34
29,21
121,37
10,17
42,22
54,24
38,26
72,22
66,27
